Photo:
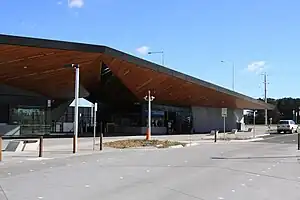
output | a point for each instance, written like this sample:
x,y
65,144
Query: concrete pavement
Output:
x,y
208,171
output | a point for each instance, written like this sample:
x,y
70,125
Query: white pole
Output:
x,y
76,106
149,112
224,127
94,123
254,133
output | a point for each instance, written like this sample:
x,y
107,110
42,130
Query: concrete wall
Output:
x,y
206,119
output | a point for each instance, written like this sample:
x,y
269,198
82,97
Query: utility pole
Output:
x,y
265,96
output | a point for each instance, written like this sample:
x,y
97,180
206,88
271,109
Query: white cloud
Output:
x,y
75,3
256,66
143,50
59,3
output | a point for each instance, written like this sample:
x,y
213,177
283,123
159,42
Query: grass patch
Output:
x,y
122,144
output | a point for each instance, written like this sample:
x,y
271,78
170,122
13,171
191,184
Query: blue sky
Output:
x,y
194,34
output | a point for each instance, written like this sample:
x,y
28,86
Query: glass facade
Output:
x,y
32,120
175,119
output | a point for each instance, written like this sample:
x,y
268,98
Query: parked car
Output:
x,y
287,126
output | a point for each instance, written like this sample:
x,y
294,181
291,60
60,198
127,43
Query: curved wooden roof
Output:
x,y
37,65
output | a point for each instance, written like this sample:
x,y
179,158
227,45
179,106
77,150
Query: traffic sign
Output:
x,y
224,112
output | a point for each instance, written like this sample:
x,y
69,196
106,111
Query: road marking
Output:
x,y
147,170
20,161
40,197
83,162
43,163
31,170
9,173
257,175
269,168
263,171
50,167
243,184
97,160
273,165
87,186
185,161
294,140
121,177
220,198
250,179
232,190
169,165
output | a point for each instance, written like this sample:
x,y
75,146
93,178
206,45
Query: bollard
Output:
x,y
101,141
74,144
216,136
41,147
298,141
0,148
101,135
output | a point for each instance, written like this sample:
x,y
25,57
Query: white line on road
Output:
x,y
269,168
87,186
121,177
263,171
257,175
40,197
243,184
250,179
31,170
147,170
232,190
220,198
9,173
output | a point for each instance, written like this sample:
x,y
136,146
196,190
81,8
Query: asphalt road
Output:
x,y
281,138
208,171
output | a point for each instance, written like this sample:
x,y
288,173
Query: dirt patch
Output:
x,y
122,144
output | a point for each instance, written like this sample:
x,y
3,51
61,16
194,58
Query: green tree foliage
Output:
x,y
286,108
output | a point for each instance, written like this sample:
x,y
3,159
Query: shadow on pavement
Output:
x,y
253,157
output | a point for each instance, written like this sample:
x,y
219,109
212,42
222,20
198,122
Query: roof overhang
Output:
x,y
37,65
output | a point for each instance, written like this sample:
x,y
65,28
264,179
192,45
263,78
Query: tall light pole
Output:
x,y
75,124
254,131
149,98
233,72
94,123
162,55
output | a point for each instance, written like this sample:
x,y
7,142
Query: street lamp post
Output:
x,y
233,73
254,131
94,123
149,98
75,139
162,55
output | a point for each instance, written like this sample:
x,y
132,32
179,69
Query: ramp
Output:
x,y
15,146
9,130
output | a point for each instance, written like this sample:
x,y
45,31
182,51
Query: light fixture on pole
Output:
x,y
149,98
162,55
233,72
75,139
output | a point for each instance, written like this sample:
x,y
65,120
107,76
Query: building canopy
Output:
x,y
38,65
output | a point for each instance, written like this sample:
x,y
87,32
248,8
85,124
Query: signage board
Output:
x,y
224,112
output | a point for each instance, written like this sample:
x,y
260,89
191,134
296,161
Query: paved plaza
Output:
x,y
252,170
